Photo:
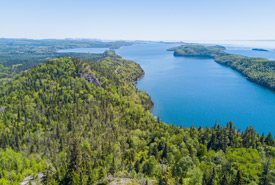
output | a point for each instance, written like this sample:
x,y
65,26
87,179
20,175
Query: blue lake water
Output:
x,y
198,91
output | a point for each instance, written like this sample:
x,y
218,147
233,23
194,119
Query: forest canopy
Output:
x,y
84,122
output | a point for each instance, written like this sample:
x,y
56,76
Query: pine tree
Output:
x,y
165,151
262,139
213,141
155,151
137,166
269,140
166,178
75,163
204,182
224,180
264,179
47,176
90,180
101,173
112,169
147,182
181,180
225,139
212,180
238,179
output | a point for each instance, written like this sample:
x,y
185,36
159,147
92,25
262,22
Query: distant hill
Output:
x,y
17,55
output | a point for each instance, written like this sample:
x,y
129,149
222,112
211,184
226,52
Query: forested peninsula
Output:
x,y
75,121
258,70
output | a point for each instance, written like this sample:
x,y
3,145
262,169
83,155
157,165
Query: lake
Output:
x,y
198,91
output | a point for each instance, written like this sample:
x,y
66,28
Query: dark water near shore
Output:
x,y
198,91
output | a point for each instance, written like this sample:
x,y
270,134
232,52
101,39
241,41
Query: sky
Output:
x,y
168,20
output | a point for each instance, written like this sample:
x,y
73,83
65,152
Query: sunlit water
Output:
x,y
199,91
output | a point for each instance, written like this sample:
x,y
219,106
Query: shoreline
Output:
x,y
261,82
263,85
135,82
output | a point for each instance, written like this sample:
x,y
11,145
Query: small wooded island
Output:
x,y
259,49
258,70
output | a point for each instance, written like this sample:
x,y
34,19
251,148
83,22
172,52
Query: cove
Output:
x,y
198,91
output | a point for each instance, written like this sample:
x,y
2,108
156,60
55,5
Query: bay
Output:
x,y
199,91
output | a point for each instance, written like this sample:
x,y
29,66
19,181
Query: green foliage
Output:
x,y
247,161
166,178
4,71
80,131
15,166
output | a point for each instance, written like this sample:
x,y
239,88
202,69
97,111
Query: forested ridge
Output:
x,y
258,70
74,131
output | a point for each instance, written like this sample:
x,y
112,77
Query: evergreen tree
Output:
x,y
266,178
101,173
262,139
47,176
225,139
75,163
90,179
147,182
137,166
181,180
155,151
204,180
269,140
224,181
166,178
112,169
238,179
165,151
212,180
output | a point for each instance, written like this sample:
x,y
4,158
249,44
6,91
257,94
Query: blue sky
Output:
x,y
138,19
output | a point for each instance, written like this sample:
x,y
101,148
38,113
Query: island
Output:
x,y
258,70
259,49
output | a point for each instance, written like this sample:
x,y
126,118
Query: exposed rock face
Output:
x,y
86,72
29,179
92,79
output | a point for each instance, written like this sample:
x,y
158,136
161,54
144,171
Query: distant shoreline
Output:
x,y
257,70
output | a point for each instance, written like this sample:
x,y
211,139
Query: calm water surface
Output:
x,y
198,91
248,52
